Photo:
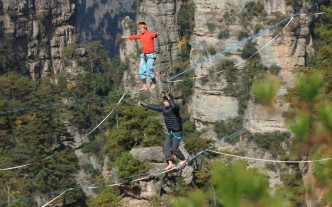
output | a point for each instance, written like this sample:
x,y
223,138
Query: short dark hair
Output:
x,y
165,98
142,23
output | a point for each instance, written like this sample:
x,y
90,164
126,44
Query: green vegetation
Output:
x,y
93,58
108,197
212,51
186,18
192,138
128,165
274,69
326,116
242,35
211,27
272,141
223,34
249,49
294,189
186,88
26,137
232,187
266,89
197,198
228,127
228,18
296,4
36,134
307,116
308,86
132,26
137,127
252,10
7,57
300,125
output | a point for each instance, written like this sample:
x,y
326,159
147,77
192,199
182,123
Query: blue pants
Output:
x,y
146,65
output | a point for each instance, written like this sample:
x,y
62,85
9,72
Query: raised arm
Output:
x,y
134,37
170,100
173,104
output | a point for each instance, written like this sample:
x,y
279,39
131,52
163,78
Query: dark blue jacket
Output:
x,y
171,114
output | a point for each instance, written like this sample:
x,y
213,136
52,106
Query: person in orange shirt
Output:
x,y
148,56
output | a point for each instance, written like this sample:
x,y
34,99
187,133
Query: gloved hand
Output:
x,y
165,93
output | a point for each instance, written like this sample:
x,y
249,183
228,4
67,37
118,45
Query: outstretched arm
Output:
x,y
153,107
155,35
132,37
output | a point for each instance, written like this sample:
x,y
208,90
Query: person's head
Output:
x,y
166,103
142,27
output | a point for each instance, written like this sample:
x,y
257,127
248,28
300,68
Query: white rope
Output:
x,y
163,172
21,166
105,117
267,160
144,178
265,44
198,77
56,197
117,184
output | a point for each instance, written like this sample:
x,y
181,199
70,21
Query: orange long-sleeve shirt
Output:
x,y
147,40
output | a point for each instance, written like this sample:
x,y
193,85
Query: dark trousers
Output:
x,y
171,146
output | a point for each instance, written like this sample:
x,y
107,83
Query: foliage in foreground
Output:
x,y
235,185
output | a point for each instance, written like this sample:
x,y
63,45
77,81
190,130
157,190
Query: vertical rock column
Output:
x,y
39,30
160,16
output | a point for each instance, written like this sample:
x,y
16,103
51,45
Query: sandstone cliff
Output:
x,y
218,25
160,16
39,30
101,20
287,51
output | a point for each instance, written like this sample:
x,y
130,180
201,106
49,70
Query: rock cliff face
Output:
x,y
213,20
290,49
160,16
39,30
99,20
153,185
210,103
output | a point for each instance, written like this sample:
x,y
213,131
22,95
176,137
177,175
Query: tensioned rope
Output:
x,y
221,71
86,135
240,130
179,81
221,153
170,79
113,185
48,203
26,165
269,160
105,117
125,178
158,172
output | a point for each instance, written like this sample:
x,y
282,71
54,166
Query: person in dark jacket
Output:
x,y
171,112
